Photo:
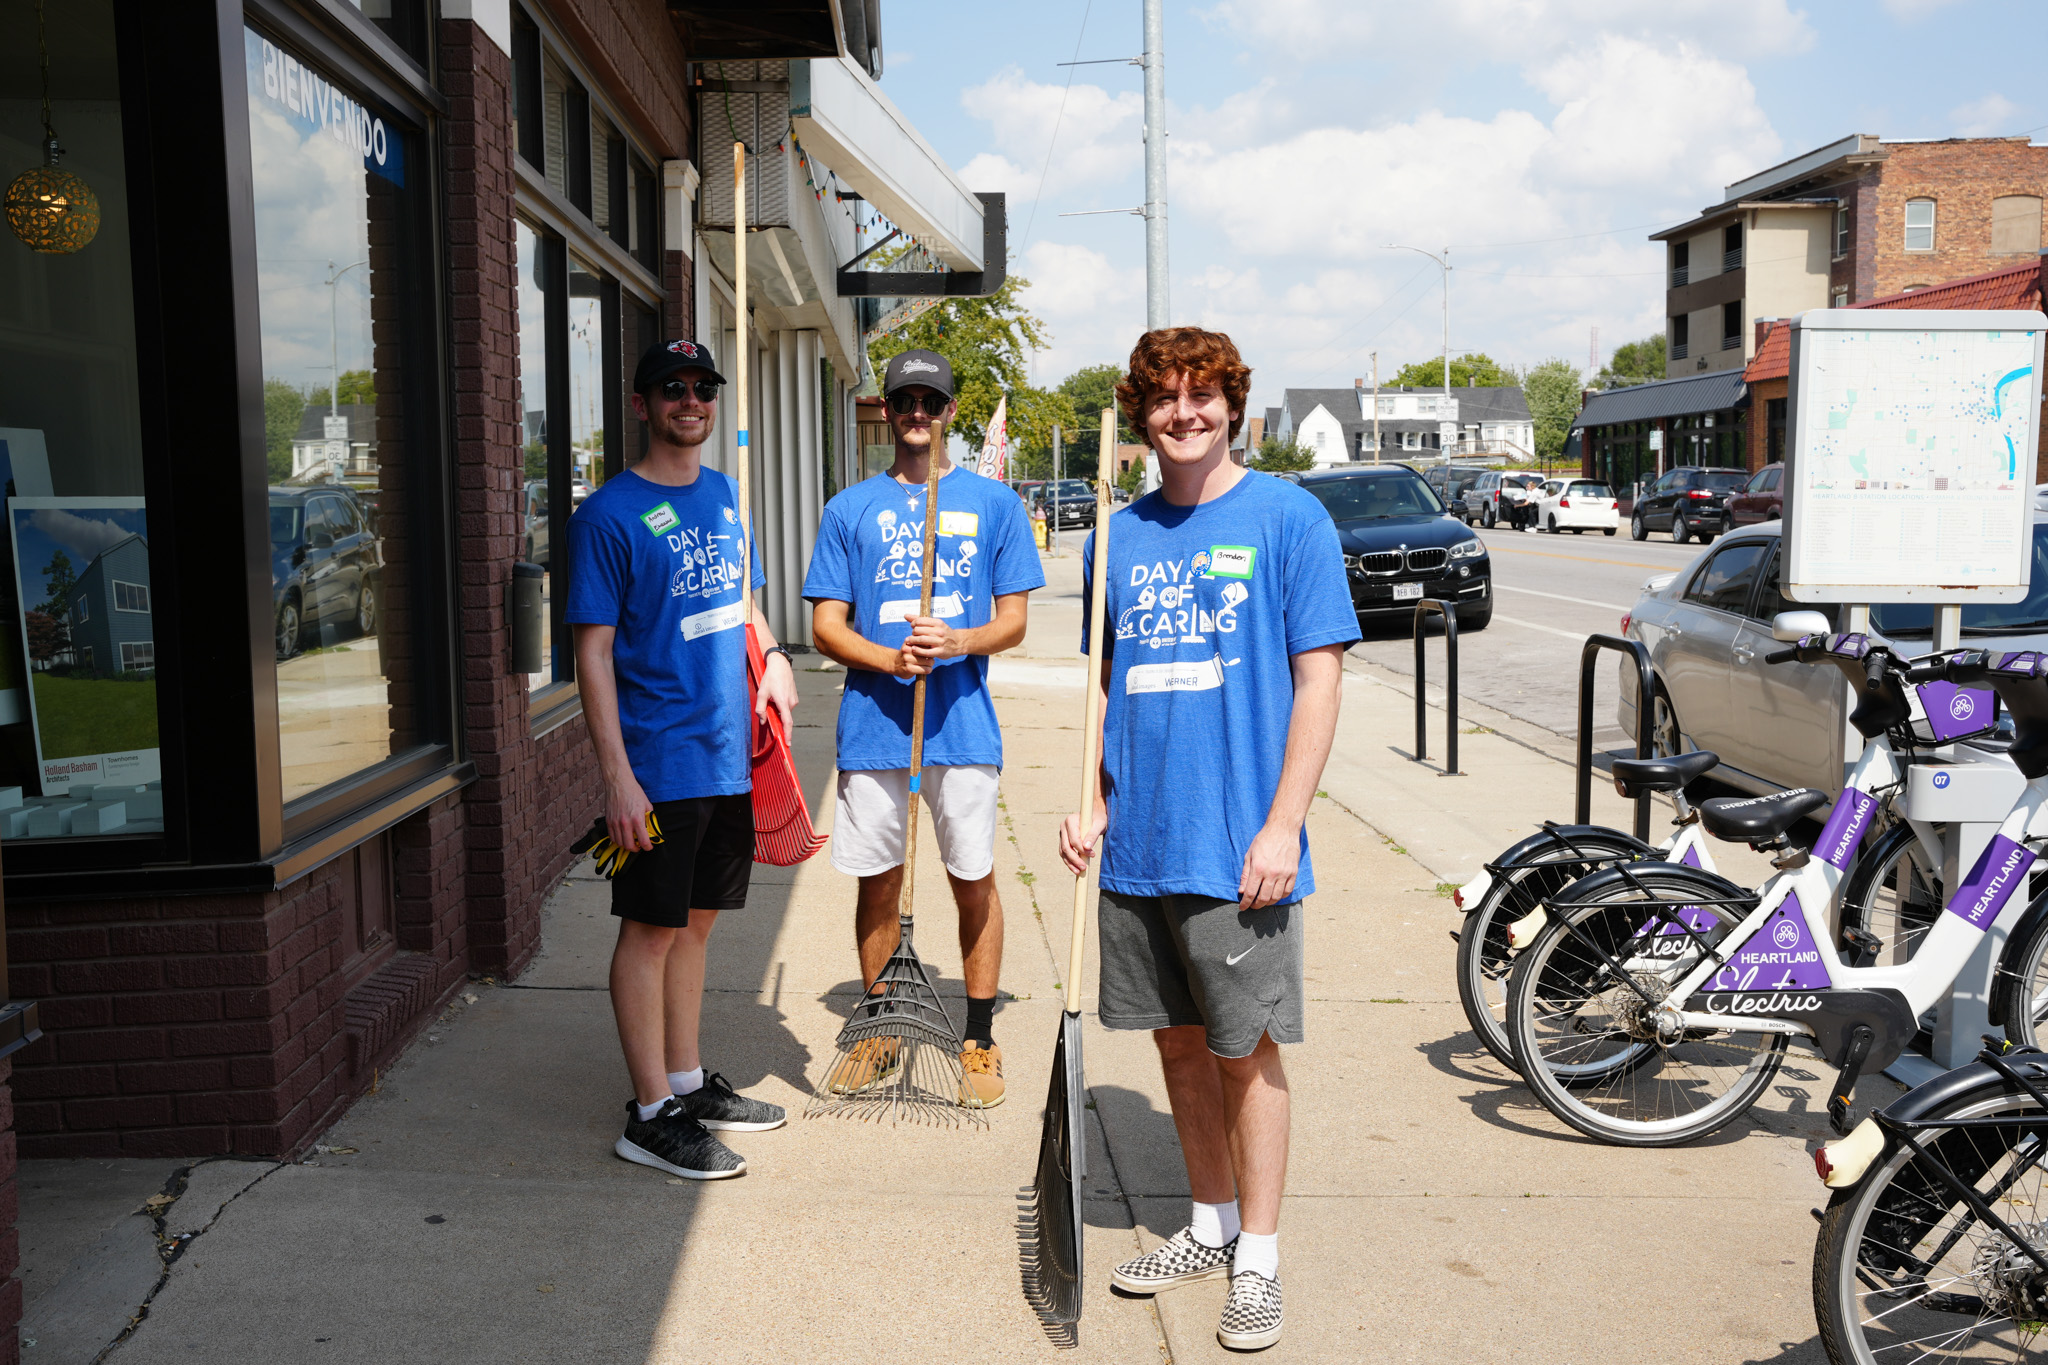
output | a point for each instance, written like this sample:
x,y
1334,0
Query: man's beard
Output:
x,y
675,432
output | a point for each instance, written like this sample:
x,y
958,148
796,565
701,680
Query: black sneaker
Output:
x,y
672,1141
716,1107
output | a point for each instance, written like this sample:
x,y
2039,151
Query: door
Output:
x,y
320,560
1746,507
1657,503
354,553
1792,712
1699,653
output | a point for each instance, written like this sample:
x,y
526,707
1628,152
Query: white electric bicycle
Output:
x,y
1654,1006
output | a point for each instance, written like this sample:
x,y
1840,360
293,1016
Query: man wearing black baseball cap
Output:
x,y
655,564
865,582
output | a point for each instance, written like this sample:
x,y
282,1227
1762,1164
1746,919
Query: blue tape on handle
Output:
x,y
915,778
743,438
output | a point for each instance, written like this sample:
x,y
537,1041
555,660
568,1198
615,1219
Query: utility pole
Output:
x,y
1445,262
1056,487
1375,407
1157,311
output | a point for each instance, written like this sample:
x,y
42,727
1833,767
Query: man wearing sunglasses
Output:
x,y
655,558
864,584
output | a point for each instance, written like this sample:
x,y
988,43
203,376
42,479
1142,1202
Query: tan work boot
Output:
x,y
866,1065
981,1076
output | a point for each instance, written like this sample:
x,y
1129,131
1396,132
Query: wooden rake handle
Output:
x,y
906,897
1091,724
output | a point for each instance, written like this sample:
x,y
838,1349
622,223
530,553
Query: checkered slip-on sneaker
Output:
x,y
717,1107
1251,1315
672,1141
1179,1260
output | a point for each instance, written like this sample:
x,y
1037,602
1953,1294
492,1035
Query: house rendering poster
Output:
x,y
24,472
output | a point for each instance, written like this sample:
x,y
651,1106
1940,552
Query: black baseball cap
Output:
x,y
925,369
664,358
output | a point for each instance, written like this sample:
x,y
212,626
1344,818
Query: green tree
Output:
x,y
536,461
1553,390
283,407
1276,456
988,341
356,387
1132,479
1472,368
1634,362
1091,388
62,583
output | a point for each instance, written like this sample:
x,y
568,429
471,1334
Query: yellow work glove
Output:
x,y
611,858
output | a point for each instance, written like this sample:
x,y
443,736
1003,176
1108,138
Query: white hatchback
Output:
x,y
1578,506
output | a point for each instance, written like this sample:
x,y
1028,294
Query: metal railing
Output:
x,y
1492,446
1679,277
1678,350
1646,731
1449,611
1731,260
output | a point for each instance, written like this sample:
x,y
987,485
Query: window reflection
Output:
x,y
331,181
586,379
535,511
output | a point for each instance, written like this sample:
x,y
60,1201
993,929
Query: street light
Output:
x,y
334,331
1444,261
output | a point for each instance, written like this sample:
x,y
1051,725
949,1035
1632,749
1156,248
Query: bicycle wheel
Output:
x,y
2020,999
1904,1271
1484,958
1586,1033
1894,894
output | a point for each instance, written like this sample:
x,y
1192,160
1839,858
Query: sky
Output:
x,y
1541,140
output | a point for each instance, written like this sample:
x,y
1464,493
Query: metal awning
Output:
x,y
1665,398
720,30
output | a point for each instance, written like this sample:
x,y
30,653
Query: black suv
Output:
x,y
1688,501
1401,546
1068,502
326,563
1451,482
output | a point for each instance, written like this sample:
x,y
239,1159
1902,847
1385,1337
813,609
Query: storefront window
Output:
x,y
79,741
334,184
587,342
537,521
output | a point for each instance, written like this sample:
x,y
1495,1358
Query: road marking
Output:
x,y
1547,630
1583,559
1559,597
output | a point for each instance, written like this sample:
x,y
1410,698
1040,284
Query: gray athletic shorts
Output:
x,y
1175,960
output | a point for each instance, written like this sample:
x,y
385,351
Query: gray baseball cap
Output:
x,y
926,369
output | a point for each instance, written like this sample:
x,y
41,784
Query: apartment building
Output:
x,y
1858,219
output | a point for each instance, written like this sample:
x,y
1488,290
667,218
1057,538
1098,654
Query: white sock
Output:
x,y
1214,1224
648,1111
1258,1251
686,1082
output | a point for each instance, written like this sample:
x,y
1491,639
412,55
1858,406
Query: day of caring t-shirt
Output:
x,y
1209,603
661,564
870,554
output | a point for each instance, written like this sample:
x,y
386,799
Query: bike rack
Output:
x,y
1448,611
1646,691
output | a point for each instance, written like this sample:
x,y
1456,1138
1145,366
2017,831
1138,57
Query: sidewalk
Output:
x,y
471,1209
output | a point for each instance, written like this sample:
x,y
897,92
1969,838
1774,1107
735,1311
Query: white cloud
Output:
x,y
1988,117
1517,31
84,536
989,172
1099,138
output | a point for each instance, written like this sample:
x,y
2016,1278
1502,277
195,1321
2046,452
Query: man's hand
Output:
x,y
778,685
1270,866
1077,845
932,640
626,809
906,665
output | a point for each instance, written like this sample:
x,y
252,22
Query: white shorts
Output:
x,y
867,834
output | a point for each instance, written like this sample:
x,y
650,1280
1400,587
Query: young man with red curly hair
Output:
x,y
1231,615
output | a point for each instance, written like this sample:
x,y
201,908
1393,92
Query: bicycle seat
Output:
x,y
1753,819
1634,776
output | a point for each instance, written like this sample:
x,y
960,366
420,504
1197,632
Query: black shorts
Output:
x,y
704,860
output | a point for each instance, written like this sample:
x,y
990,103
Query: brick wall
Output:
x,y
1962,176
634,52
10,1240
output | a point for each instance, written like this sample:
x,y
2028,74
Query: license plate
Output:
x,y
1407,592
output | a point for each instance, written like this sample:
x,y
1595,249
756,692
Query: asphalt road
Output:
x,y
1551,592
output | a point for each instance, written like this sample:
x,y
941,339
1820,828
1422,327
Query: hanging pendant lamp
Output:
x,y
50,209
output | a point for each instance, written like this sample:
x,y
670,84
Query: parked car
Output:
x,y
534,523
1451,483
1578,506
326,565
1400,545
1688,501
1504,495
579,489
1069,502
1761,499
1708,628
1029,490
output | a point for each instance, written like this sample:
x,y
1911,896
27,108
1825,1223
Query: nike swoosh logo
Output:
x,y
1233,961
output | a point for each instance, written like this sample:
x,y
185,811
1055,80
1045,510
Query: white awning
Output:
x,y
845,121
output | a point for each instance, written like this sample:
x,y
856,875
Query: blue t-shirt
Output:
x,y
870,554
1210,604
661,564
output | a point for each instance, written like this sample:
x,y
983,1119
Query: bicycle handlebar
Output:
x,y
1782,656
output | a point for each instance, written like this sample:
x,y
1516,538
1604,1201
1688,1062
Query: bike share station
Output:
x,y
1894,495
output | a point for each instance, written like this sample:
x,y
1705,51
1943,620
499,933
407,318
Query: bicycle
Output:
x,y
1934,1243
1655,1007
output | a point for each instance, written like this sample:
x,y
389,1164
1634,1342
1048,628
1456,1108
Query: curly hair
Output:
x,y
1164,355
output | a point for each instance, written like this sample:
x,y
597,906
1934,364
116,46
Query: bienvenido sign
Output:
x,y
314,104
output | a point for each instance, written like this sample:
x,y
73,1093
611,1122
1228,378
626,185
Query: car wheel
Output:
x,y
366,610
1553,523
1636,529
1580,530
1771,515
289,629
1679,533
1475,618
1665,735
1486,517
1610,531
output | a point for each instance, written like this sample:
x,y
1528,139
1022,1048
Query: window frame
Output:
x,y
115,597
1841,232
1908,227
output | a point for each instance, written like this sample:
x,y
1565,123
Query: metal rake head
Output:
x,y
1049,1225
898,1058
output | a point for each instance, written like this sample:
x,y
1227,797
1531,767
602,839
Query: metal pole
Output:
x,y
1375,407
1446,264
334,340
1156,310
1056,476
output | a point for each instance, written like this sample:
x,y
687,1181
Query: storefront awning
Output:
x,y
1664,398
844,120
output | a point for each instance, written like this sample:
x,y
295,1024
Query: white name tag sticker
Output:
x,y
905,609
1195,675
959,523
1232,561
713,621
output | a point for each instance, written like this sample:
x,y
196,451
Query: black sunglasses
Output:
x,y
675,390
903,404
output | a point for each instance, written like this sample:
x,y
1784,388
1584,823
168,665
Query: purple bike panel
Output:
x,y
1781,955
1845,827
1953,710
1998,872
1691,858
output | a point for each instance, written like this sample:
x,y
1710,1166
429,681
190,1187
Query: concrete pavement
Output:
x,y
471,1210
